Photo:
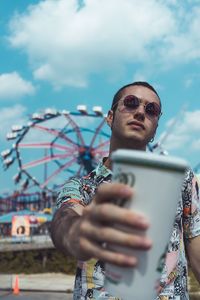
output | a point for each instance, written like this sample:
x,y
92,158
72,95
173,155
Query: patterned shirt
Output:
x,y
90,274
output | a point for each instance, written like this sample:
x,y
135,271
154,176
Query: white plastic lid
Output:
x,y
149,159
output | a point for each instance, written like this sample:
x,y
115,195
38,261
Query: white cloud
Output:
x,y
13,86
139,76
191,79
196,145
188,82
66,45
184,134
10,116
184,43
192,121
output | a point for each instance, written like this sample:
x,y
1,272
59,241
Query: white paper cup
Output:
x,y
157,184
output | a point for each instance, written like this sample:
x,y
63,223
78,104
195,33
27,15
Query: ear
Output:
x,y
109,118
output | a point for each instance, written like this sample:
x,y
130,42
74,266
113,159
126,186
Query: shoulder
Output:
x,y
190,183
190,194
83,189
189,175
69,191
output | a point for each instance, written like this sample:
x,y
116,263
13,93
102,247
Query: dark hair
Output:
x,y
20,228
118,94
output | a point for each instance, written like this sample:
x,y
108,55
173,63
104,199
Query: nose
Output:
x,y
139,113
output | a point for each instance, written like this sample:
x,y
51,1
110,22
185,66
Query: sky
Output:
x,y
61,53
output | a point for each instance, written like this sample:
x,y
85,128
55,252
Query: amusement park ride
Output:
x,y
52,147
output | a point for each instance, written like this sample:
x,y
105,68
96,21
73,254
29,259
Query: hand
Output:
x,y
96,227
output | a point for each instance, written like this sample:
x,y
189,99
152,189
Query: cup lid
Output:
x,y
149,159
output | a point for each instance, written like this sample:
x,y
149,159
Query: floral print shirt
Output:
x,y
89,282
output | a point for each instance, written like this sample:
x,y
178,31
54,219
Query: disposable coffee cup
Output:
x,y
157,182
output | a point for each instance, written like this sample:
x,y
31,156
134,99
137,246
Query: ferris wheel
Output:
x,y
56,145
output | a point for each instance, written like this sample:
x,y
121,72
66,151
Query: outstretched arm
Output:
x,y
65,230
84,233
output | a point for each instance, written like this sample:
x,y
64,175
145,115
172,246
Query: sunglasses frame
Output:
x,y
139,103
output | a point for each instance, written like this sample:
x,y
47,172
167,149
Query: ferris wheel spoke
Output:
x,y
55,173
79,171
29,187
104,144
97,132
44,160
77,129
44,146
56,133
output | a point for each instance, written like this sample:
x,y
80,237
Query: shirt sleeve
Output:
x,y
70,194
191,206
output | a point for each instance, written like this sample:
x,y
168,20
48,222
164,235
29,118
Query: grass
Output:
x,y
36,261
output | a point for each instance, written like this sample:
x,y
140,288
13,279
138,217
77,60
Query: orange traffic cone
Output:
x,y
16,286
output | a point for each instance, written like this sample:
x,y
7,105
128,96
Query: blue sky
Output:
x,y
61,53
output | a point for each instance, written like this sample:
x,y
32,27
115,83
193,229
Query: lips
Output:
x,y
135,123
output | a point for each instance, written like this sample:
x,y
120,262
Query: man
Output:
x,y
83,222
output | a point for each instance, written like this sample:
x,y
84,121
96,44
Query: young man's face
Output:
x,y
133,129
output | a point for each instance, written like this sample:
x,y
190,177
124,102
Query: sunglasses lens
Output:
x,y
152,109
131,101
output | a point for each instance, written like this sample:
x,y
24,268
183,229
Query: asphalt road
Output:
x,y
35,296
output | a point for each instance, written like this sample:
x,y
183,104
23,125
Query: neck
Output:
x,y
116,145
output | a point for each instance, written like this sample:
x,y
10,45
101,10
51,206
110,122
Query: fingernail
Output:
x,y
132,261
126,191
148,243
143,219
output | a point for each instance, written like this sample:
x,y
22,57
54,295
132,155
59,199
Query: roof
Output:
x,y
7,218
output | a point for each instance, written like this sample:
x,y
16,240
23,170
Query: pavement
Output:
x,y
46,282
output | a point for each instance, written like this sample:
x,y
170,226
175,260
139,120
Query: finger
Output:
x,y
111,213
109,191
97,251
102,234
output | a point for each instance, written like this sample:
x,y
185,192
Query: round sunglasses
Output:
x,y
131,102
